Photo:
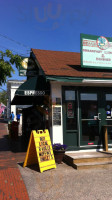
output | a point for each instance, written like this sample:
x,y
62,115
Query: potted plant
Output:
x,y
59,152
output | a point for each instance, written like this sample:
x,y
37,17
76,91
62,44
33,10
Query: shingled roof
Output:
x,y
60,63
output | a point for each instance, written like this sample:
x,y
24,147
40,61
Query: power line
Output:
x,y
22,54
8,48
19,43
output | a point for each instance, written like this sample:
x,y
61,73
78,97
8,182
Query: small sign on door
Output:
x,y
70,110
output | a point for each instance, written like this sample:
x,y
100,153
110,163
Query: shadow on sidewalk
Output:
x,y
34,167
4,145
2,121
15,145
18,145
7,143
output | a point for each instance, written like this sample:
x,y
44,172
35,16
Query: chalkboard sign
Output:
x,y
57,116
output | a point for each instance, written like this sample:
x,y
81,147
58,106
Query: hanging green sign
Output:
x,y
96,52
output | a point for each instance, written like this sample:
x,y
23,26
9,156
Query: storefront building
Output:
x,y
76,102
12,86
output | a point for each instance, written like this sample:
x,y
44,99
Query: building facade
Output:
x,y
76,102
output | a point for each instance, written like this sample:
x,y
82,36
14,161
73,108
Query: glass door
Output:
x,y
90,111
70,128
85,112
95,112
108,114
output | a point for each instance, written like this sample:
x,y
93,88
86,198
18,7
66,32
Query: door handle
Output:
x,y
99,116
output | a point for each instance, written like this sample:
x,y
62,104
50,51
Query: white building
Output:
x,y
12,86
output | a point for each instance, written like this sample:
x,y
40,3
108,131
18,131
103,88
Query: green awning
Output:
x,y
64,79
32,91
36,86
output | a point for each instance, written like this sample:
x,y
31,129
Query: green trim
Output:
x,y
70,137
81,54
72,131
73,79
95,67
64,79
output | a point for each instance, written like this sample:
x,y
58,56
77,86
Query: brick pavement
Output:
x,y
11,152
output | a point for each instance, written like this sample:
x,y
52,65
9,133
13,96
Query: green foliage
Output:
x,y
7,59
3,97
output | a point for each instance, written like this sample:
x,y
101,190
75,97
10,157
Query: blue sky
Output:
x,y
51,24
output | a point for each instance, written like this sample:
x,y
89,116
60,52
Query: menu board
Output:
x,y
56,115
40,151
45,150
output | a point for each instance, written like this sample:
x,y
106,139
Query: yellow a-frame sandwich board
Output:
x,y
40,151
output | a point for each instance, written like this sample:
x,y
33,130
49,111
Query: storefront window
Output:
x,y
88,97
69,95
108,97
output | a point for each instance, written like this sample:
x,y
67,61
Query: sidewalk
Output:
x,y
11,152
64,182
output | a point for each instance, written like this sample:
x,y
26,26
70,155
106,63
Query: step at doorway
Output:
x,y
88,160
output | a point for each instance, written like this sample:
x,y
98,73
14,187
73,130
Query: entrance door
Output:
x,y
95,111
85,111
70,117
90,110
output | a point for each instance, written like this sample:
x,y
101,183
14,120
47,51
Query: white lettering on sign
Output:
x,y
34,93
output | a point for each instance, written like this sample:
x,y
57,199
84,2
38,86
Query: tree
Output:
x,y
7,59
3,97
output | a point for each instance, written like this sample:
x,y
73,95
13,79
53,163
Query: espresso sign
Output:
x,y
34,93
